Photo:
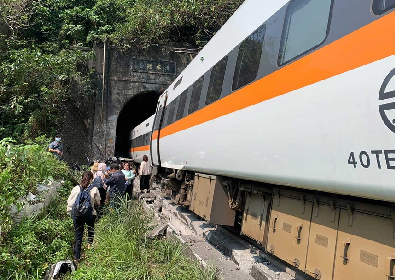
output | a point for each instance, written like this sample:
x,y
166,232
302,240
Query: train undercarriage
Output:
x,y
326,236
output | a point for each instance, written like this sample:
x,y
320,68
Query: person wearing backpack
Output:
x,y
80,205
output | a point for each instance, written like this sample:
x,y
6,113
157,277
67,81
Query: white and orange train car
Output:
x,y
139,140
285,124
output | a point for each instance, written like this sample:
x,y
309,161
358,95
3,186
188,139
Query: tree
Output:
x,y
15,15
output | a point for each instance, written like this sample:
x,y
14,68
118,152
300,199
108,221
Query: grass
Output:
x,y
122,251
37,242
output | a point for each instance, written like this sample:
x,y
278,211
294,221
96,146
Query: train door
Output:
x,y
322,240
156,127
289,229
254,217
366,245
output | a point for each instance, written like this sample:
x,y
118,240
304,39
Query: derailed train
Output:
x,y
284,123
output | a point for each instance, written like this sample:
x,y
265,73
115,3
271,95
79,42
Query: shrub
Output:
x,y
22,167
37,242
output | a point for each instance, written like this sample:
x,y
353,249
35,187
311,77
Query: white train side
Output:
x,y
140,138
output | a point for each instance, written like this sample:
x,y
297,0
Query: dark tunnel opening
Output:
x,y
134,112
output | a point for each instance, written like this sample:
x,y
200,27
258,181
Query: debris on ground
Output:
x,y
158,231
56,271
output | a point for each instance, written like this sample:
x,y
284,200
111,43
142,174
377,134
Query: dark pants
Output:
x,y
79,226
144,182
103,193
129,190
116,199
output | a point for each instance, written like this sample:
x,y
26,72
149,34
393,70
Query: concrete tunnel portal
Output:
x,y
135,111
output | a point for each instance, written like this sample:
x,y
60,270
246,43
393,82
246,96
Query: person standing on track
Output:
x,y
145,174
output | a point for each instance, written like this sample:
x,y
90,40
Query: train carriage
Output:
x,y
140,138
286,119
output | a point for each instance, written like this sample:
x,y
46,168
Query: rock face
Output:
x,y
34,204
128,84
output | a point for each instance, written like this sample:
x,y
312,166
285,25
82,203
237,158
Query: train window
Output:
x,y
157,118
248,59
172,108
382,6
181,104
196,90
164,121
216,80
306,27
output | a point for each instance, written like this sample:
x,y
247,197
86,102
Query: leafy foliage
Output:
x,y
34,88
176,22
22,167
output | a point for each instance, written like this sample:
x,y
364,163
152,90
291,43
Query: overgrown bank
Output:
x,y
22,167
35,243
122,251
28,248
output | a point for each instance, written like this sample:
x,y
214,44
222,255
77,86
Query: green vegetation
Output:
x,y
44,46
122,251
174,22
37,242
27,248
22,167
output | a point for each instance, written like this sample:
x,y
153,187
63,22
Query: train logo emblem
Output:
x,y
387,110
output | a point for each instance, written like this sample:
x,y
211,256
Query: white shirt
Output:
x,y
145,168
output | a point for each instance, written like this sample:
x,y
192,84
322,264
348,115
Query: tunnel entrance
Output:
x,y
134,112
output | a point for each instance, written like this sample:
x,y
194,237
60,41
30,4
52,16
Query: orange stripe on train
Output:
x,y
140,149
363,46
